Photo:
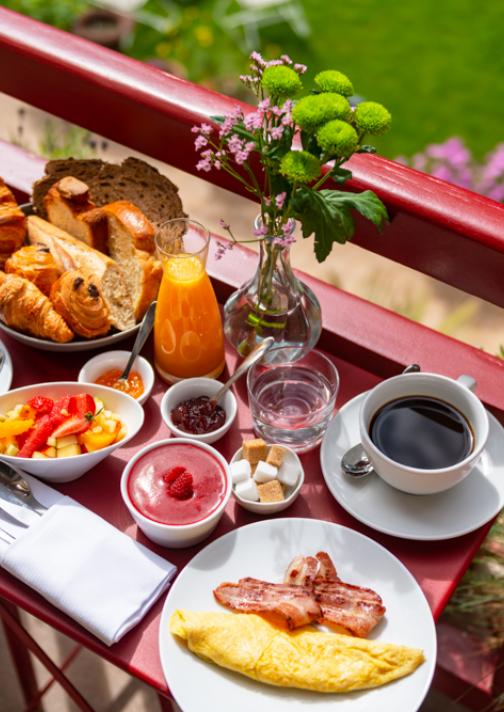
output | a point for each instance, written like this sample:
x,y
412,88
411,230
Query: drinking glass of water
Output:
x,y
292,401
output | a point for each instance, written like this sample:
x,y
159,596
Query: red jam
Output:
x,y
155,484
198,416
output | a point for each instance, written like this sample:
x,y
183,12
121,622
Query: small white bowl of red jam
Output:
x,y
176,490
105,369
188,412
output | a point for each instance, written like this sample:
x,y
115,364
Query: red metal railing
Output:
x,y
437,228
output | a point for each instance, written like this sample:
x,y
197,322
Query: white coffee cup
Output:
x,y
457,393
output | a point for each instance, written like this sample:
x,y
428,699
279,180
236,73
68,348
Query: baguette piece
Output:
x,y
151,275
23,306
12,224
70,253
133,180
69,207
126,222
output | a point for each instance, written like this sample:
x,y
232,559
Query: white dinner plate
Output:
x,y
78,344
6,371
446,515
263,550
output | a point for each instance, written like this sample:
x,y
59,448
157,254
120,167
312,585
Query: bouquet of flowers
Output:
x,y
294,139
283,153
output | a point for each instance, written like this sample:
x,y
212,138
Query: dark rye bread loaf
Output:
x,y
133,180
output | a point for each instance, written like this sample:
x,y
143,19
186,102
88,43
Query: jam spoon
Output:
x,y
143,332
253,357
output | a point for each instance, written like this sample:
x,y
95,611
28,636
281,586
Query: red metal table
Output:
x,y
437,568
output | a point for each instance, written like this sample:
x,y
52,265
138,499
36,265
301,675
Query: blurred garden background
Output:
x,y
436,64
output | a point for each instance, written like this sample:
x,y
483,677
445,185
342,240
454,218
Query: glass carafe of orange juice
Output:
x,y
188,334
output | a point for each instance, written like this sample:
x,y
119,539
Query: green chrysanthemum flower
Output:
x,y
334,81
281,82
311,112
300,166
371,117
338,138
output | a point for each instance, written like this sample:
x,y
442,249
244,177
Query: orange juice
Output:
x,y
188,335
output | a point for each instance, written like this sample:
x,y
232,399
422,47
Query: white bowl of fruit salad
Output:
x,y
58,431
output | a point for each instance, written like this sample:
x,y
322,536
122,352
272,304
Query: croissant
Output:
x,y
78,299
35,263
24,307
12,224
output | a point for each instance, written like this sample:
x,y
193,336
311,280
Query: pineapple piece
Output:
x,y
49,452
11,450
68,450
38,456
51,441
63,442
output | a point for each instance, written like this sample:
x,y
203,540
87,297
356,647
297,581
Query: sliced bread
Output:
x,y
133,180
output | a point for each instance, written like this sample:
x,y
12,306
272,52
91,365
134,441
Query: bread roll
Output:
x,y
78,299
129,223
12,224
69,207
35,263
24,307
70,253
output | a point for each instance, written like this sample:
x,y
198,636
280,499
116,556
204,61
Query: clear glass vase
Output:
x,y
273,303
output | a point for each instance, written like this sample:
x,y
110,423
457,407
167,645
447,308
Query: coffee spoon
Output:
x,y
254,356
355,463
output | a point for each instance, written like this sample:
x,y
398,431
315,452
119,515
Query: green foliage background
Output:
x,y
436,64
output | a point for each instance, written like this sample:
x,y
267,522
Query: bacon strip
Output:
x,y
356,609
312,592
302,571
289,606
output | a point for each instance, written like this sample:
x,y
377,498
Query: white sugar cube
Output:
x,y
240,471
247,490
265,472
288,474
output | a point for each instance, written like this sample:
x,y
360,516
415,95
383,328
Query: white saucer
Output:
x,y
446,515
6,371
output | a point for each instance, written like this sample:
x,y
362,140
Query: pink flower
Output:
x,y
206,130
277,132
286,59
300,68
260,231
280,200
264,104
257,59
287,120
204,165
225,225
222,248
253,120
200,142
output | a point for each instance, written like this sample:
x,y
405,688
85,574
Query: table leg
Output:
x,y
25,640
21,659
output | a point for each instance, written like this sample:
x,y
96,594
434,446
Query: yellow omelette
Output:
x,y
307,659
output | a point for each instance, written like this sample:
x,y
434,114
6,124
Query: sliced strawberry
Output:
x,y
38,436
61,405
72,426
82,404
41,405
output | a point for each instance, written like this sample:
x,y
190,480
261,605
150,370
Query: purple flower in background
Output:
x,y
261,231
222,248
300,68
452,161
253,120
280,200
200,142
224,225
277,132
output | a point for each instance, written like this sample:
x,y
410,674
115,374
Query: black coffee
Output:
x,y
421,432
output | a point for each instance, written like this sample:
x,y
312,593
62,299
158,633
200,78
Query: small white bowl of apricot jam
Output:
x,y
105,369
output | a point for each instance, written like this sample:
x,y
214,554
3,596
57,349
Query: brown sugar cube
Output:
x,y
275,456
270,491
254,450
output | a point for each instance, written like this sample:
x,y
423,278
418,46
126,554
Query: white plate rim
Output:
x,y
84,345
7,371
166,612
383,529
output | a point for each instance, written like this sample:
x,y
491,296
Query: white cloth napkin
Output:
x,y
100,577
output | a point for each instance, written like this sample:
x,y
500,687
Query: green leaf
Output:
x,y
328,215
366,148
340,175
218,119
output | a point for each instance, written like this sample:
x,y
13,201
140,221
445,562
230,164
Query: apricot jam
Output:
x,y
133,386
